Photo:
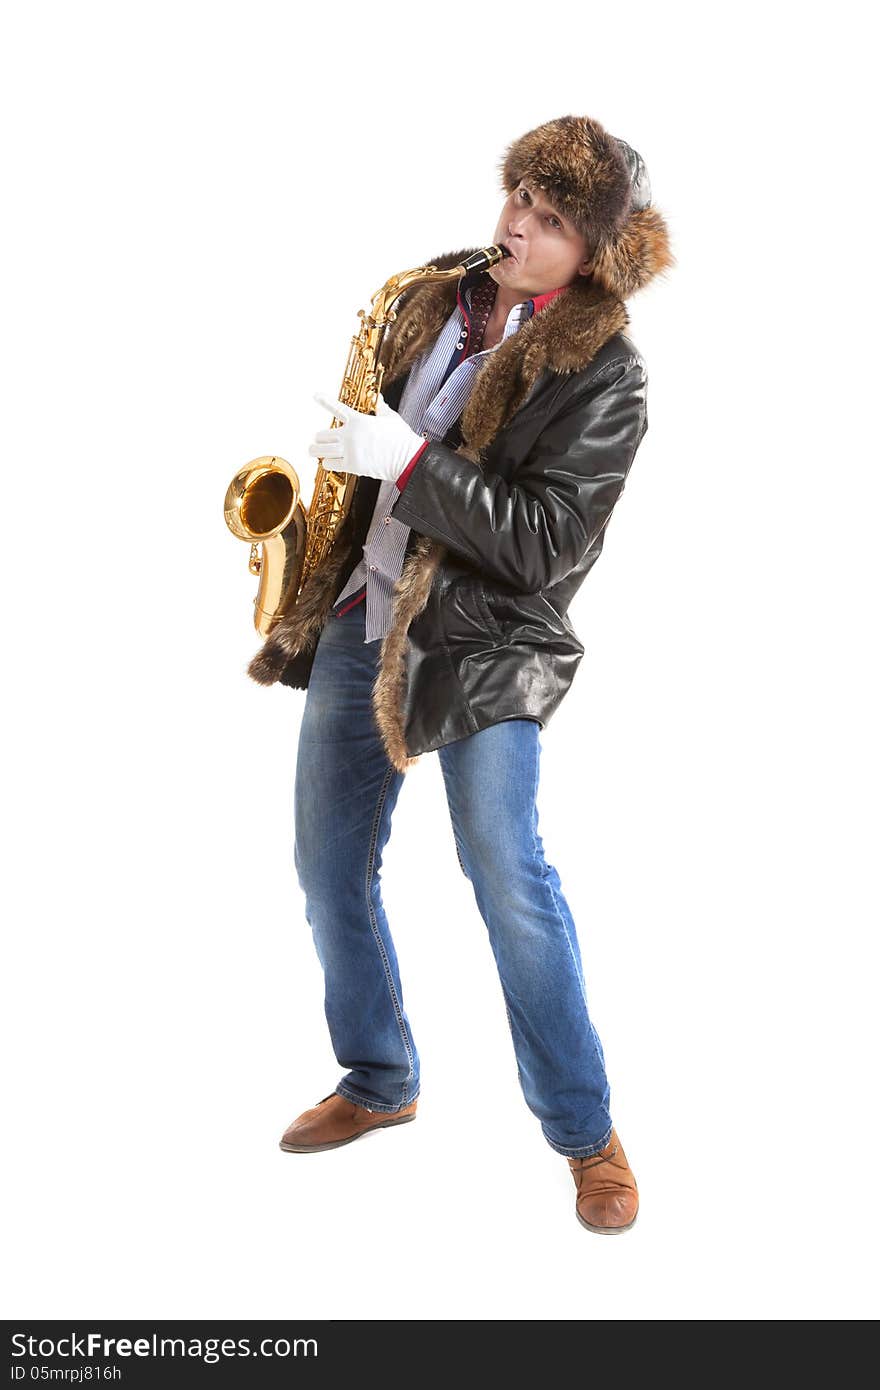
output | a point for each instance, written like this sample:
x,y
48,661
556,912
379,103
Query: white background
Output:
x,y
198,200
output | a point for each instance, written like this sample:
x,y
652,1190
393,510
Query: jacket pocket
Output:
x,y
527,620
492,623
466,616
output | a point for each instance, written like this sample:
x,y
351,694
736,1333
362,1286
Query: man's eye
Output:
x,y
555,220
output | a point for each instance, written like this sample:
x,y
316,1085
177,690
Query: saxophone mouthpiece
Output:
x,y
481,260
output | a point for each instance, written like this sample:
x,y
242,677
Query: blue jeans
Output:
x,y
345,794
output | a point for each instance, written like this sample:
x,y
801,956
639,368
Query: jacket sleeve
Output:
x,y
407,472
529,533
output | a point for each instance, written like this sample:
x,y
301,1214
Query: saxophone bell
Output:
x,y
263,506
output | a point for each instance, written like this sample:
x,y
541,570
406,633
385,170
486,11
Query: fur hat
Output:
x,y
601,185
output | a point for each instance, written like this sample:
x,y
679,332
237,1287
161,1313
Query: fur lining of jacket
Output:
x,y
564,337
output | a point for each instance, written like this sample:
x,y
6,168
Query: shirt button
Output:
x,y
372,567
387,520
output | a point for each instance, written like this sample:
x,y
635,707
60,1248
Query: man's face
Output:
x,y
549,251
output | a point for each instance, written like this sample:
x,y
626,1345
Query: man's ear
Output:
x,y
588,264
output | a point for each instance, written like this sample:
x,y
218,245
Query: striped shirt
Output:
x,y
436,393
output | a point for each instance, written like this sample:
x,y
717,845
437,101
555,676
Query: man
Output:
x,y
514,407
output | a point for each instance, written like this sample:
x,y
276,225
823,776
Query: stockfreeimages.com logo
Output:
x,y
92,1346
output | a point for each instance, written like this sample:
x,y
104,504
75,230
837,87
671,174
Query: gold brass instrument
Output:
x,y
263,504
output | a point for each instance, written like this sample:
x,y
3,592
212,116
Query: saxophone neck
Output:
x,y
383,301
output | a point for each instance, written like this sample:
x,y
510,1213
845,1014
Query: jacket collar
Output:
x,y
564,337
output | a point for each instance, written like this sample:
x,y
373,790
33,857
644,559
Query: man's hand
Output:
x,y
375,446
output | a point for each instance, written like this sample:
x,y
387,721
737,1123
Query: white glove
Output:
x,y
375,446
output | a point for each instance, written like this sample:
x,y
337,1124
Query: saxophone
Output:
x,y
263,504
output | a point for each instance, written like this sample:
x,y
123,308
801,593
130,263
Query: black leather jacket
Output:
x,y
494,640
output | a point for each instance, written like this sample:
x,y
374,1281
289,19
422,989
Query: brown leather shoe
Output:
x,y
335,1120
607,1195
